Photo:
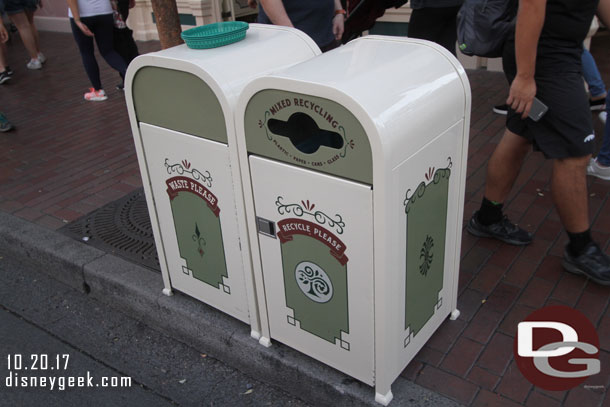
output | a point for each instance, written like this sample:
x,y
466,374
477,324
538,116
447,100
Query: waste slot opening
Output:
x,y
305,134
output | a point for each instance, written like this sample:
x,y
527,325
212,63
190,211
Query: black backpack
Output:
x,y
484,25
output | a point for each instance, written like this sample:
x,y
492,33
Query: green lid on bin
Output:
x,y
215,35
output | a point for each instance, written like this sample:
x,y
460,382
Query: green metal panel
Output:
x,y
310,132
426,210
178,101
315,283
198,230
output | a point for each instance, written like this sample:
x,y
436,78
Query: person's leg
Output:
x,y
502,171
448,37
603,157
85,46
3,61
504,166
103,30
25,32
569,190
425,24
597,88
600,166
4,69
30,16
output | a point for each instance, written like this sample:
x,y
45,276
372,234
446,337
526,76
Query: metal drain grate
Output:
x,y
122,228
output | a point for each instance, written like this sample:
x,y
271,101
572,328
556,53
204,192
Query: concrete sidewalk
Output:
x,y
69,157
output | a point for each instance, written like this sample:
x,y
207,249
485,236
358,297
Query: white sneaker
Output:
x,y
598,170
34,64
42,58
602,117
95,95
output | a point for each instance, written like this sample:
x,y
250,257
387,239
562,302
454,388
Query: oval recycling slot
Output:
x,y
305,134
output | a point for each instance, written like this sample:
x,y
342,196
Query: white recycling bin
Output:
x,y
181,106
357,168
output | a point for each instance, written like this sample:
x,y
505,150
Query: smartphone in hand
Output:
x,y
537,110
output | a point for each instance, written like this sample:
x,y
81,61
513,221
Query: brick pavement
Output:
x,y
69,157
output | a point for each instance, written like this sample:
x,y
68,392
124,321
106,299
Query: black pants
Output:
x,y
125,45
435,24
101,27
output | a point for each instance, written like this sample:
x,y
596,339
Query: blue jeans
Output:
x,y
604,154
592,75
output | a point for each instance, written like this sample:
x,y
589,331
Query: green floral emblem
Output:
x,y
426,255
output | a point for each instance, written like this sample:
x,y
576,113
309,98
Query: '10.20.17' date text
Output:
x,y
37,361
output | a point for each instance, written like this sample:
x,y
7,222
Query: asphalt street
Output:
x,y
50,332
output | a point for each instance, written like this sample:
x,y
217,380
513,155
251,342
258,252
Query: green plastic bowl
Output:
x,y
215,35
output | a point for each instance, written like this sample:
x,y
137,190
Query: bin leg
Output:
x,y
383,399
266,342
455,314
168,292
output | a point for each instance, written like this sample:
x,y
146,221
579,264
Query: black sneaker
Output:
x,y
4,76
503,230
9,71
592,262
120,87
501,109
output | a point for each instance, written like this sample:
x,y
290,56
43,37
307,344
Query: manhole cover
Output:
x,y
122,228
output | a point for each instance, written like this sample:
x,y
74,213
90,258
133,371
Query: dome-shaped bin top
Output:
x,y
188,90
375,98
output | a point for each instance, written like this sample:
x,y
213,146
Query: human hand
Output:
x,y
338,26
521,95
84,28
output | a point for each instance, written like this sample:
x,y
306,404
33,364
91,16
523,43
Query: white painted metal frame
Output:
x,y
205,156
327,193
398,90
224,71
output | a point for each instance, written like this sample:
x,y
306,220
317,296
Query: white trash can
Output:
x,y
357,162
181,104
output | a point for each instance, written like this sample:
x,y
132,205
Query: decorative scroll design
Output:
x,y
306,208
441,173
346,143
263,124
185,167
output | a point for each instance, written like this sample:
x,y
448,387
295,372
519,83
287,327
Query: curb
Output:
x,y
136,291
